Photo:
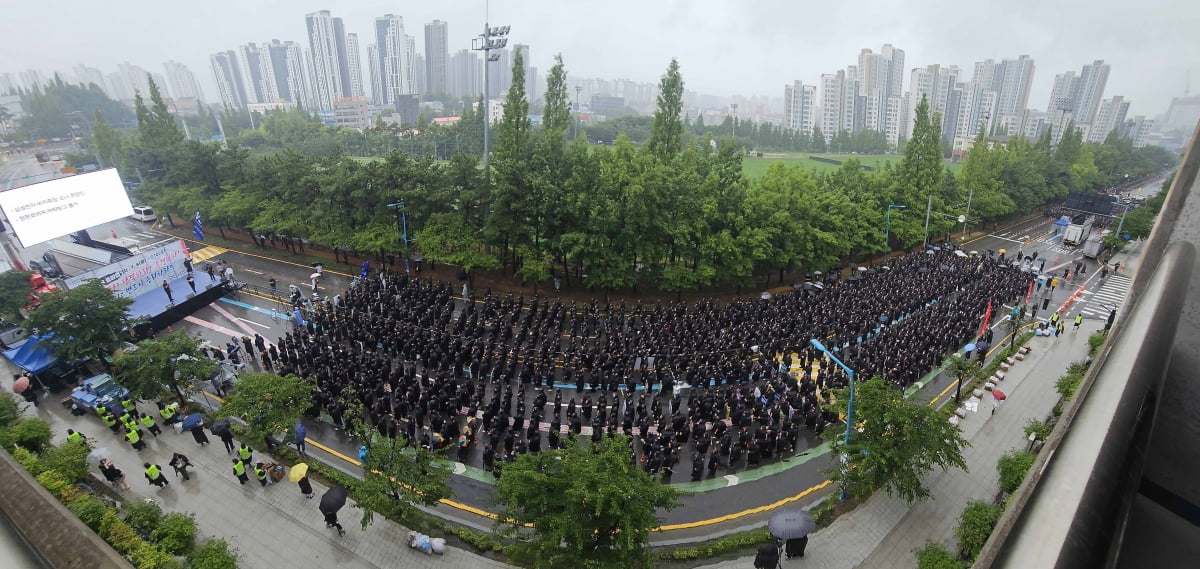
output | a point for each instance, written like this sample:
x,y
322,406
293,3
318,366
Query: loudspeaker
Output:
x,y
191,295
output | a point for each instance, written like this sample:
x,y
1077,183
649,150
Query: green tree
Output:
x,y
934,555
896,444
446,238
507,223
975,527
175,360
397,477
86,321
108,141
1012,468
269,403
14,293
666,132
818,140
1138,223
589,506
556,117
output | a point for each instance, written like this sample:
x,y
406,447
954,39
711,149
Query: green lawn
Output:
x,y
755,167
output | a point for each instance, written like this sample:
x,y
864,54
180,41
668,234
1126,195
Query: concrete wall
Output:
x,y
57,534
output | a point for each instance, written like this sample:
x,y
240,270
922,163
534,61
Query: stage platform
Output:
x,y
158,312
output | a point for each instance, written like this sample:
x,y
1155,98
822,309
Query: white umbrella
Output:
x,y
97,455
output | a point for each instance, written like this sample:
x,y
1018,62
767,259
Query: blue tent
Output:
x,y
1062,223
33,356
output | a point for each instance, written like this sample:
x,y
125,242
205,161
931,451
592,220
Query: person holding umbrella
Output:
x,y
222,430
998,398
331,502
113,474
299,475
793,527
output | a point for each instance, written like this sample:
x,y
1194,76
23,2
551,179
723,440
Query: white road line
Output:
x,y
254,323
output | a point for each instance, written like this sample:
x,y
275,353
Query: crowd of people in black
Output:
x,y
709,381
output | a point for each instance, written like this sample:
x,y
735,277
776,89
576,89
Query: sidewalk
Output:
x,y
272,527
884,531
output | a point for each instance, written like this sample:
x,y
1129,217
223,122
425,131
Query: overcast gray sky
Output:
x,y
724,48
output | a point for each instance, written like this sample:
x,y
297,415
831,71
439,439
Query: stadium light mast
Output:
x,y
492,38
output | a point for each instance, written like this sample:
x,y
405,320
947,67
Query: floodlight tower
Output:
x,y
492,38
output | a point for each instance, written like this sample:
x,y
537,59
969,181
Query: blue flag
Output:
x,y
198,227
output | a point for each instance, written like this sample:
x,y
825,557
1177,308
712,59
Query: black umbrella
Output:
x,y
221,427
333,500
791,524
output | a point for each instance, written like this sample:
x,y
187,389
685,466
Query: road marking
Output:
x,y
211,326
237,321
201,255
259,309
254,323
252,271
731,480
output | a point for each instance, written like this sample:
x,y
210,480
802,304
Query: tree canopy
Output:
x,y
895,444
589,506
269,403
174,361
86,321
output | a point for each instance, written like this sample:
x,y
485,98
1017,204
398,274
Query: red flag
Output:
x,y
1029,292
987,316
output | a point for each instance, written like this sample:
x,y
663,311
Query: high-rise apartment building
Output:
x,y
257,81
394,59
228,75
1110,117
437,56
799,107
331,77
466,74
181,82
1137,129
354,61
285,64
1092,81
87,76
832,94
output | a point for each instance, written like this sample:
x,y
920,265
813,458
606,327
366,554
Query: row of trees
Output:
x,y
674,213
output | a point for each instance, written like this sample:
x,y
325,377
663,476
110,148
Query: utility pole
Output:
x,y
928,211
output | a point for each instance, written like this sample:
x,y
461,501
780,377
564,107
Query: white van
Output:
x,y
143,213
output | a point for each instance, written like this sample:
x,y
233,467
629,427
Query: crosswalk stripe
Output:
x,y
201,255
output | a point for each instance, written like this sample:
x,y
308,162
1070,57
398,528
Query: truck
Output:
x,y
1094,245
98,391
1077,233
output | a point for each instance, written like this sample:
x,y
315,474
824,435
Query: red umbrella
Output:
x,y
998,395
21,384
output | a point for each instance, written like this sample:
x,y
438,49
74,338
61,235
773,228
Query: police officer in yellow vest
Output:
x,y
128,421
239,470
110,422
245,454
129,405
1054,318
74,437
168,413
135,439
260,473
148,422
1078,320
154,475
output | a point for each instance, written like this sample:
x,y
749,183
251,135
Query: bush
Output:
x,y
1040,429
10,410
1095,341
175,534
824,514
213,554
146,556
118,533
33,434
936,556
54,481
143,515
29,461
1012,468
90,511
719,546
1068,384
974,527
69,459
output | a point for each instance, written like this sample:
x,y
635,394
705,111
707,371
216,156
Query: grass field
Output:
x,y
755,167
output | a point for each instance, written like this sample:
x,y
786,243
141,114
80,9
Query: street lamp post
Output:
x,y
887,230
967,216
849,404
491,39
403,215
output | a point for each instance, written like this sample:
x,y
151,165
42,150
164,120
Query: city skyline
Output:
x,y
753,56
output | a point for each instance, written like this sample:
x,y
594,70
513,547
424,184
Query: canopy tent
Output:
x,y
33,356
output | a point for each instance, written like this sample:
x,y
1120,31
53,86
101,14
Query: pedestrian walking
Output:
x,y
1062,327
212,273
135,439
167,289
198,434
180,463
301,437
227,438
1078,320
113,474
306,488
148,422
249,346
239,470
154,475
331,521
191,281
245,454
